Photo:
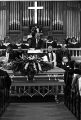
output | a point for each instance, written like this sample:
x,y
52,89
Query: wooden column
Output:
x,y
21,34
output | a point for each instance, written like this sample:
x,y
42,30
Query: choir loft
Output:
x,y
40,59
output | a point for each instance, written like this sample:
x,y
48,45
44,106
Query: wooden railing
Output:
x,y
73,51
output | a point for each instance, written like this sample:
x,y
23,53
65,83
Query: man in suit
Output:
x,y
32,41
63,57
49,59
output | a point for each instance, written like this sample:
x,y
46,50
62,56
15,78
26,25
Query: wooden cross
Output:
x,y
36,8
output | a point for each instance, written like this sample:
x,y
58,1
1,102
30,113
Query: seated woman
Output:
x,y
49,59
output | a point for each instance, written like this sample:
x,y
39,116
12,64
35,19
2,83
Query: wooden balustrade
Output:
x,y
74,52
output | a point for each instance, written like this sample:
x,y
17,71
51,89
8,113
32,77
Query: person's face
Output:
x,y
8,50
49,49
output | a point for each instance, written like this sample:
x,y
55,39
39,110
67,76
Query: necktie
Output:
x,y
50,57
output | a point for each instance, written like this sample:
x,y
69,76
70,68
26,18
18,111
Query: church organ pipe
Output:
x,y
18,17
2,24
71,23
75,29
46,14
23,13
58,15
55,15
61,17
30,13
39,15
73,18
14,15
42,13
25,16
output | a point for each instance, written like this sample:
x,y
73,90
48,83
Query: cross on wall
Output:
x,y
35,8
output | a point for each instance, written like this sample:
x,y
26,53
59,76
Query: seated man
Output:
x,y
63,57
49,60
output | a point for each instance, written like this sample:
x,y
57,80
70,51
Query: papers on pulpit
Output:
x,y
49,41
45,59
6,44
32,50
18,44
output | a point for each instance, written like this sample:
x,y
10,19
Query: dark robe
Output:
x,y
18,54
40,44
14,46
33,42
54,44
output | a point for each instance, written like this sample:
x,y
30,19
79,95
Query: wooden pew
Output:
x,y
73,99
